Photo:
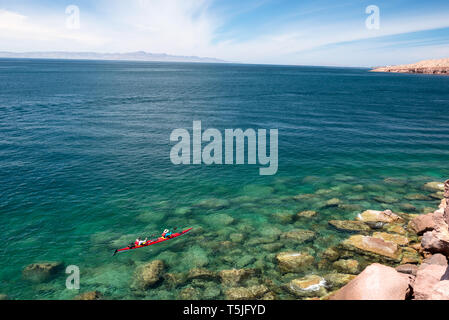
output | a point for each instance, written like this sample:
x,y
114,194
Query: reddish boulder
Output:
x,y
436,241
407,269
437,259
427,277
422,223
376,282
441,291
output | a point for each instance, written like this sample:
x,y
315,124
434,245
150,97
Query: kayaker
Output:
x,y
140,242
166,234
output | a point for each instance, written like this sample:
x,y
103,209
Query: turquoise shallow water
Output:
x,y
85,168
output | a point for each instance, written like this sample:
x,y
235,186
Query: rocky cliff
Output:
x,y
439,66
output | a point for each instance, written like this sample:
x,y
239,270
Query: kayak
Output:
x,y
151,242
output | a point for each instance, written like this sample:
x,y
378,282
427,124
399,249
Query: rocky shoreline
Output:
x,y
419,277
440,67
385,255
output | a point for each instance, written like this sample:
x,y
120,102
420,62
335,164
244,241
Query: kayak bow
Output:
x,y
151,242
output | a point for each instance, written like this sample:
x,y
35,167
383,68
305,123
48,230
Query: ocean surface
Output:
x,y
85,165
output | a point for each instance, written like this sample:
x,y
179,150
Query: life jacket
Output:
x,y
136,243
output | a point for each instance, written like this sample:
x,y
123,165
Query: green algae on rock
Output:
x,y
148,275
42,271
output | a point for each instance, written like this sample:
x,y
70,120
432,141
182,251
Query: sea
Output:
x,y
85,168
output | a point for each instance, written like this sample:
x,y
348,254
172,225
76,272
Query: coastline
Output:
x,y
437,67
404,253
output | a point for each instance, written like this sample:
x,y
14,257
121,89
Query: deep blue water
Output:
x,y
84,159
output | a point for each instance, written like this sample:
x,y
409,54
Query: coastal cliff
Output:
x,y
439,66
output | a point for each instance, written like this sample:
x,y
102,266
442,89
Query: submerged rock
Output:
x,y
304,196
236,237
434,186
201,273
371,246
417,197
148,275
272,247
330,254
250,293
376,282
235,276
190,293
42,271
385,199
244,261
92,295
350,207
213,203
437,195
294,261
283,217
298,235
407,207
396,229
306,214
219,220
4,297
337,280
309,286
379,216
346,266
334,202
349,225
396,238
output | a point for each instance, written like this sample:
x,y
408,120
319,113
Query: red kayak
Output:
x,y
151,242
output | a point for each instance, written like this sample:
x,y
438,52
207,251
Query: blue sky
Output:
x,y
300,32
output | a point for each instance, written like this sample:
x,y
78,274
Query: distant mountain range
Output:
x,y
130,56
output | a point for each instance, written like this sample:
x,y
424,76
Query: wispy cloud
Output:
x,y
261,31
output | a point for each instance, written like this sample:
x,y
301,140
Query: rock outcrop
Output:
x,y
438,66
427,278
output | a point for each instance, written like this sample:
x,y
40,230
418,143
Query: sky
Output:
x,y
297,32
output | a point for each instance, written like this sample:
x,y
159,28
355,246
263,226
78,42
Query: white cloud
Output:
x,y
191,27
17,30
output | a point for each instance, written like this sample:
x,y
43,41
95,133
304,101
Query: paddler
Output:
x,y
140,242
166,234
